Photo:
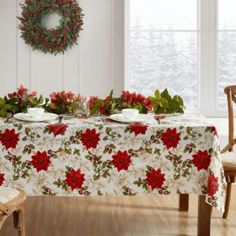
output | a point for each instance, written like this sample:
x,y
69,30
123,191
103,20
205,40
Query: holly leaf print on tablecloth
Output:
x,y
20,168
100,168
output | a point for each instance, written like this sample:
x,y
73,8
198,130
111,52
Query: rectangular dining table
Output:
x,y
177,154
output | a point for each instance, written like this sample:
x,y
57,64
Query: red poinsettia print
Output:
x,y
213,185
170,138
41,161
121,160
9,138
75,179
57,129
138,128
155,178
1,178
90,138
201,160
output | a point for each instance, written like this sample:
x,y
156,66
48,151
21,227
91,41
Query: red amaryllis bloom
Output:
x,y
170,138
90,138
201,160
155,178
75,179
53,97
92,101
9,138
1,178
41,161
135,99
57,129
21,91
212,186
138,128
121,160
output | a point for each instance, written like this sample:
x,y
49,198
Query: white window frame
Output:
x,y
207,56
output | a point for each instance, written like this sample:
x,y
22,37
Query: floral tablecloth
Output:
x,y
97,156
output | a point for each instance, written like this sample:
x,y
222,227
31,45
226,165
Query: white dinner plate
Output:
x,y
27,117
121,118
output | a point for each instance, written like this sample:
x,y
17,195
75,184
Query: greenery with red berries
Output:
x,y
56,40
69,103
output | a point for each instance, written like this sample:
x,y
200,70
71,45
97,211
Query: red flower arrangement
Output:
x,y
138,128
201,160
170,138
136,100
212,186
9,138
1,178
90,138
65,102
75,179
57,129
68,102
19,101
41,161
121,160
155,178
21,98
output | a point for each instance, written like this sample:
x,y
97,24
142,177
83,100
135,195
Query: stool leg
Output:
x,y
19,220
227,200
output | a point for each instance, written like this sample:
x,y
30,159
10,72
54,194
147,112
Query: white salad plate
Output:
x,y
27,117
140,118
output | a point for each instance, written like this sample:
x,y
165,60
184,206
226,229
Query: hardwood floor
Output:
x,y
123,216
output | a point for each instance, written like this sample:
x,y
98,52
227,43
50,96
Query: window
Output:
x,y
163,47
226,48
187,46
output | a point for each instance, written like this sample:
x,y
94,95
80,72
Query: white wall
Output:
x,y
93,67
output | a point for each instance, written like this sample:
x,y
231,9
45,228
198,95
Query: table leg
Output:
x,y
204,217
183,202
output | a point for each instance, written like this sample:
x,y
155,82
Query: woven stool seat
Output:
x,y
12,202
7,194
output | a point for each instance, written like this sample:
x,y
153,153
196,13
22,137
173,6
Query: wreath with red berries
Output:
x,y
56,40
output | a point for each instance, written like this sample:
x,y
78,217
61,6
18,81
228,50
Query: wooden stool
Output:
x,y
12,202
228,153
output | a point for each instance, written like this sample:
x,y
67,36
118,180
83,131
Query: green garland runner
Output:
x,y
56,40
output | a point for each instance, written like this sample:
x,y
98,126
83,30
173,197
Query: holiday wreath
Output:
x,y
55,40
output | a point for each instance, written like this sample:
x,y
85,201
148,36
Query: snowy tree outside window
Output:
x,y
163,48
226,49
